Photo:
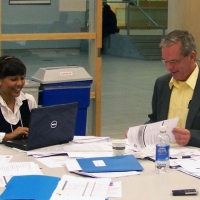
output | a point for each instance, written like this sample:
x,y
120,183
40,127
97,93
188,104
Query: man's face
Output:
x,y
179,66
12,85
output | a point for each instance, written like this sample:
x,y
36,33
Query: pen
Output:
x,y
186,157
4,178
64,185
180,157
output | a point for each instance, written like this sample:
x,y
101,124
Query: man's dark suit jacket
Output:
x,y
160,107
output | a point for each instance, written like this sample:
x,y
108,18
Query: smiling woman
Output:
x,y
15,105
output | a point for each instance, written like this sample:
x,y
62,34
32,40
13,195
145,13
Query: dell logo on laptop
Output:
x,y
53,124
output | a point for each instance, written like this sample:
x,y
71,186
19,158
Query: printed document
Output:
x,y
19,168
82,188
145,135
7,170
189,166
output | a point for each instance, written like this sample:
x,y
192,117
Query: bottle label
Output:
x,y
162,152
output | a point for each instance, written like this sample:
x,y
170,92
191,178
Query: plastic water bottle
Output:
x,y
162,151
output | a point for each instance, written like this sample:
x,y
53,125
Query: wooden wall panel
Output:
x,y
185,15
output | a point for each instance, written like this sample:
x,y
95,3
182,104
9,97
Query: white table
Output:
x,y
149,185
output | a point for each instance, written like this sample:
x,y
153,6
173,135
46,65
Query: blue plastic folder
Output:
x,y
110,164
37,187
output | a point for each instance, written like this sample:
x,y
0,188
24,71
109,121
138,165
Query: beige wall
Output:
x,y
185,15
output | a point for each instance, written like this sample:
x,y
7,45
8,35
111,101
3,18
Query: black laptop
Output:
x,y
48,126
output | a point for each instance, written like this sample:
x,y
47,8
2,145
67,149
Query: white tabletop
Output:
x,y
149,185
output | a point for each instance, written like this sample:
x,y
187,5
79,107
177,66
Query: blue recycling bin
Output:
x,y
60,85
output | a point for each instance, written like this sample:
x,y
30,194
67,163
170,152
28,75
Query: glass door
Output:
x,y
62,32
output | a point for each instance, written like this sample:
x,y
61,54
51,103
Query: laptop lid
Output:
x,y
50,125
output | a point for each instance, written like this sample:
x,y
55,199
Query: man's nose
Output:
x,y
169,66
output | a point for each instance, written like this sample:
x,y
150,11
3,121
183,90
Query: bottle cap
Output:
x,y
163,128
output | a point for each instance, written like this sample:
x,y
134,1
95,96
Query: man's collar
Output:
x,y
191,81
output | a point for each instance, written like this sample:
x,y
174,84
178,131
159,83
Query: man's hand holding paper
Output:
x,y
145,135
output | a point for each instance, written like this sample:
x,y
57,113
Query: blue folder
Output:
x,y
37,187
112,164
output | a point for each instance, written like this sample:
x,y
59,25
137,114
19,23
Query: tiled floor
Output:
x,y
127,88
127,84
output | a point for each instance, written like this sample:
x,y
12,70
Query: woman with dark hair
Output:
x,y
15,105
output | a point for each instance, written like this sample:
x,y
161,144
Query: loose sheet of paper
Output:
x,y
73,165
54,161
115,190
91,188
7,170
191,165
5,159
195,174
145,135
19,168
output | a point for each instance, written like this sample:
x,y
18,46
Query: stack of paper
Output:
x,y
89,139
47,151
190,166
96,146
90,166
195,174
95,149
107,174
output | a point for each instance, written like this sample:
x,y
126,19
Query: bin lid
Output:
x,y
61,74
29,83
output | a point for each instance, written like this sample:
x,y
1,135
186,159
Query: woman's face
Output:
x,y
12,85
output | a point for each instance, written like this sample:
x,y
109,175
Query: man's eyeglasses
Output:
x,y
172,62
